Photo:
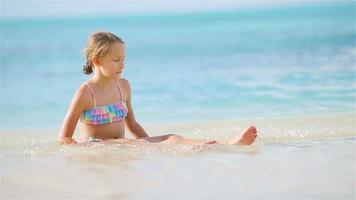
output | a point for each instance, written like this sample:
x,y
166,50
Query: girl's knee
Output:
x,y
174,137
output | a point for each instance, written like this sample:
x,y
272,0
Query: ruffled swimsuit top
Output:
x,y
107,113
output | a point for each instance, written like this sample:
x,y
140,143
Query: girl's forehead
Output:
x,y
117,49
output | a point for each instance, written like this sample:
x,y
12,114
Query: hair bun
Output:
x,y
87,69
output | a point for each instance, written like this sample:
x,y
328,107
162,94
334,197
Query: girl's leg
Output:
x,y
247,137
163,139
176,139
126,141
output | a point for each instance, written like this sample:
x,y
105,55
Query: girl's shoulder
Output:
x,y
84,89
125,84
84,95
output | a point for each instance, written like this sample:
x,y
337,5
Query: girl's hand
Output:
x,y
66,140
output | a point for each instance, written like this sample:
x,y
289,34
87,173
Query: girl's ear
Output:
x,y
96,61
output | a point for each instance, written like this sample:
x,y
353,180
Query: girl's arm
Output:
x,y
135,128
78,105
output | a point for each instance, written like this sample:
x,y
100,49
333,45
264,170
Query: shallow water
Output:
x,y
317,161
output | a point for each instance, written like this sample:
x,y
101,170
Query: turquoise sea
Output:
x,y
279,61
290,70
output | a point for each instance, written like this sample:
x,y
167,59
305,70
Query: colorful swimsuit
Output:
x,y
107,113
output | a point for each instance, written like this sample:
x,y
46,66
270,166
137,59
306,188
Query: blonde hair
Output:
x,y
98,45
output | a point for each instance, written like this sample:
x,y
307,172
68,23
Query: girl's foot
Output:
x,y
245,138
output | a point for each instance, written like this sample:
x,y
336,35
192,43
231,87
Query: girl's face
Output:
x,y
112,64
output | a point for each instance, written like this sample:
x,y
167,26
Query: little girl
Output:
x,y
103,103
